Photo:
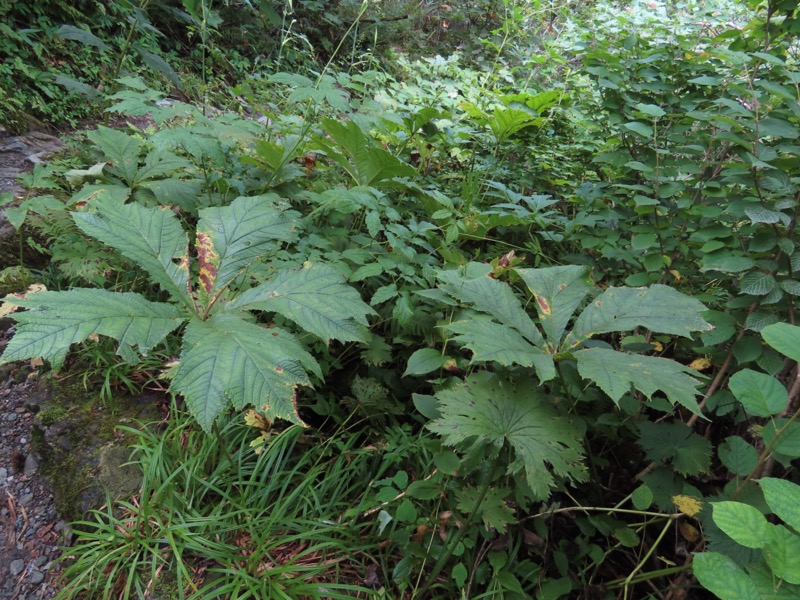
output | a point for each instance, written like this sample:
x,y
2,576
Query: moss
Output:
x,y
119,478
83,451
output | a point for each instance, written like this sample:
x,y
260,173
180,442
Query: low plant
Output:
x,y
226,354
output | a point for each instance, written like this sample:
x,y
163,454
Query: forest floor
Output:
x,y
30,527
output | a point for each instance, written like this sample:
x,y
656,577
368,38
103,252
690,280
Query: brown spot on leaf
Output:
x,y
207,260
562,287
506,259
543,306
279,369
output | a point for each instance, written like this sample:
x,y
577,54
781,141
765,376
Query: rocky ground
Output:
x,y
30,527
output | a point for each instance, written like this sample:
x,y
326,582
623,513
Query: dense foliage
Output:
x,y
529,304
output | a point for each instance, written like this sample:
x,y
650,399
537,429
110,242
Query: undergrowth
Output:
x,y
532,319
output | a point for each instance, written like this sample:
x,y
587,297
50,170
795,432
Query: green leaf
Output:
x,y
627,537
490,411
641,128
722,261
424,361
459,574
614,372
70,32
768,587
365,271
491,508
559,291
157,63
472,284
316,297
789,441
406,512
491,341
658,308
228,359
151,237
382,294
742,522
56,320
783,498
367,164
423,490
784,338
231,237
426,405
720,575
161,163
75,85
791,287
642,497
690,453
652,110
120,149
782,553
757,283
738,456
446,461
760,394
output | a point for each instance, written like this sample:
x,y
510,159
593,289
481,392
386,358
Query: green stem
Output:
x,y
629,578
617,583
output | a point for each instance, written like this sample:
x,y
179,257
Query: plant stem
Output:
x,y
629,578
445,556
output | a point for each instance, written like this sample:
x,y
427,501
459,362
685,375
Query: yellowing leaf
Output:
x,y
688,505
700,364
6,308
689,532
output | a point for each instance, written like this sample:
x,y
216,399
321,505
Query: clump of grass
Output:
x,y
215,519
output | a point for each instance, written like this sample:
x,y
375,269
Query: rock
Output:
x,y
37,577
16,567
31,465
14,144
25,499
3,474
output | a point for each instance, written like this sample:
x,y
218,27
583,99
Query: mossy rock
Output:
x,y
82,451
10,247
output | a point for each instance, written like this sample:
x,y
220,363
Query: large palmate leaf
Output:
x,y
472,284
559,291
228,359
229,238
490,341
151,237
489,411
615,372
56,320
315,297
658,308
